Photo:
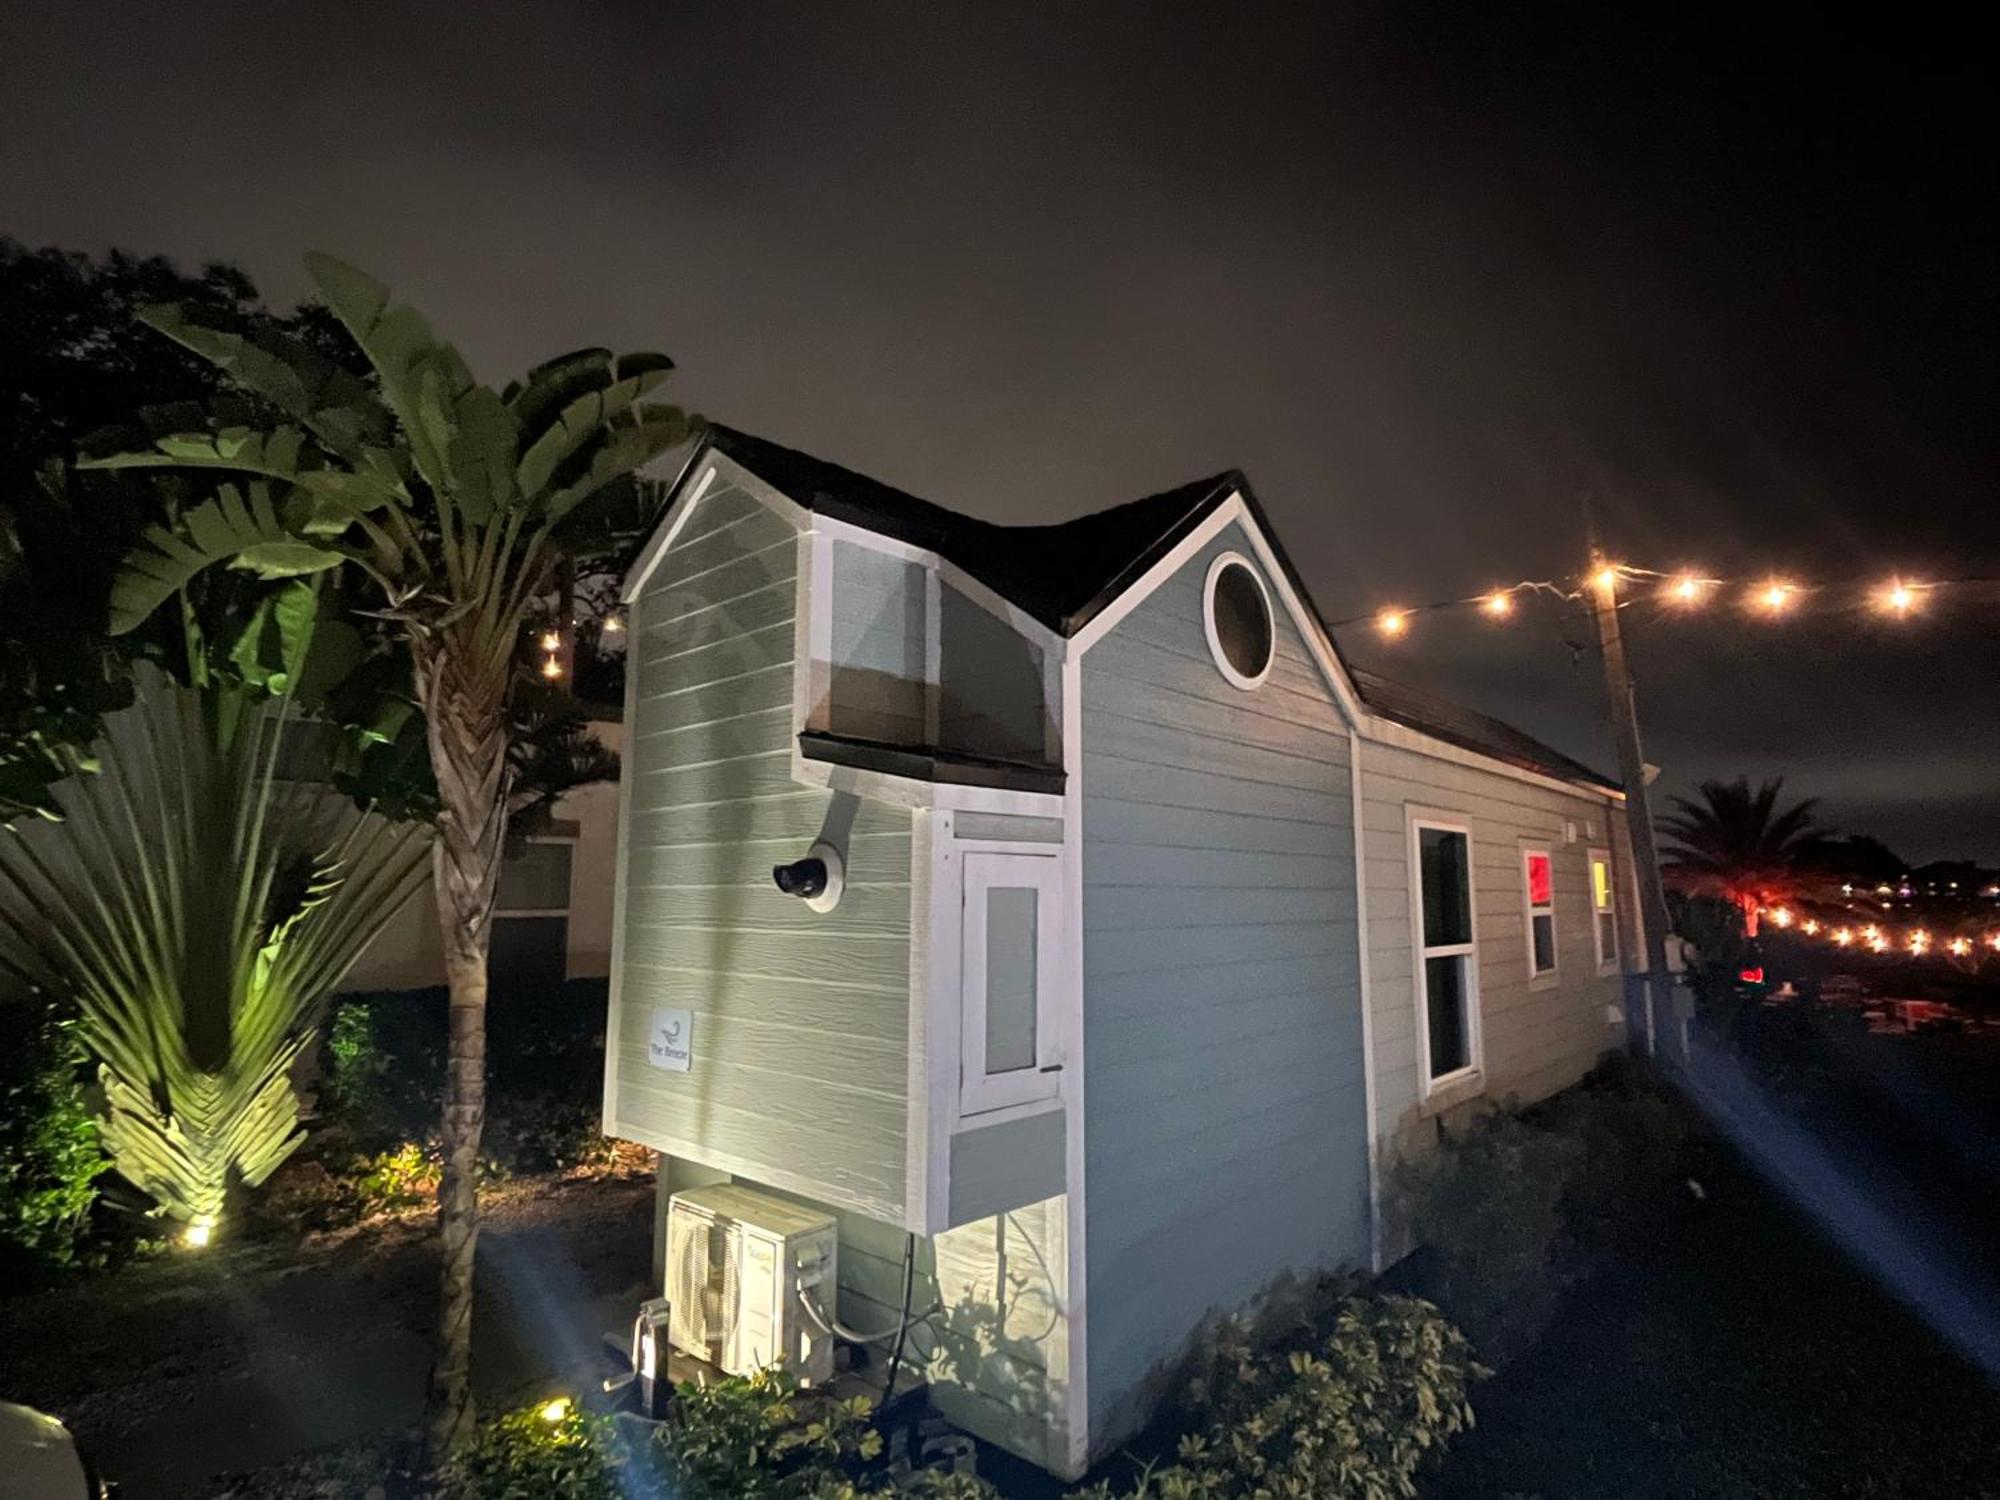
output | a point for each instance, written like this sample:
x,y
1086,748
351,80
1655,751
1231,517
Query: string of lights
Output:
x,y
1686,590
1915,941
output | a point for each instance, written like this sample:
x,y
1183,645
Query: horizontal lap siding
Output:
x,y
801,1020
1536,1040
1224,1099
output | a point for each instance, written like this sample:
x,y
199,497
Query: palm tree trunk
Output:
x,y
467,725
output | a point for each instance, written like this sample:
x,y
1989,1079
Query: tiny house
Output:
x,y
1052,906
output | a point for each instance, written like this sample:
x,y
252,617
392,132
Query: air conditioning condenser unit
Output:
x,y
740,1262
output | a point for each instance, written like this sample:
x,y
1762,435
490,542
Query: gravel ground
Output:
x,y
179,1372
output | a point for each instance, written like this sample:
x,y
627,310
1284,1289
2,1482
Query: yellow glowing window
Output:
x,y
1603,911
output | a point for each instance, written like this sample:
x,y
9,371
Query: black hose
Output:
x,y
903,1328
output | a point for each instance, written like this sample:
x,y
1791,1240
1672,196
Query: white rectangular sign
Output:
x,y
670,1044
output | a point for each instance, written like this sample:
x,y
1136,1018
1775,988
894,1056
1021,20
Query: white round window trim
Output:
x,y
1216,571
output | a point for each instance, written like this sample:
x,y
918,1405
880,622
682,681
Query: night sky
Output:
x,y
1428,280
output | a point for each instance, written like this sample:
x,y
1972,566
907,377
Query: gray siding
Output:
x,y
1537,1038
1226,1132
801,1020
876,688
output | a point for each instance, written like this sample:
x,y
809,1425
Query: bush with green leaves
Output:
x,y
1353,1410
50,1158
754,1438
1488,1201
525,1456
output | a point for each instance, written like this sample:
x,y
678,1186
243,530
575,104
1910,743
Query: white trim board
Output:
x,y
683,505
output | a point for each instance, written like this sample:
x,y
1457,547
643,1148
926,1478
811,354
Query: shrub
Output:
x,y
50,1158
759,1439
524,1456
1353,1414
1488,1201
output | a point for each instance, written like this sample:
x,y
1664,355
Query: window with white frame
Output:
x,y
530,936
1538,882
1010,1043
1603,911
1447,969
1236,618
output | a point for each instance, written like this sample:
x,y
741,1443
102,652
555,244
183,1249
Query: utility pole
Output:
x,y
1601,582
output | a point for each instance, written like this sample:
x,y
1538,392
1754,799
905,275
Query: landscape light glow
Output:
x,y
551,668
554,1411
200,1230
551,641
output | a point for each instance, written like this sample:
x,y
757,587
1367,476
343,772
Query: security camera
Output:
x,y
817,880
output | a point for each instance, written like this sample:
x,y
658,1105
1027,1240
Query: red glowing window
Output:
x,y
1541,881
1752,976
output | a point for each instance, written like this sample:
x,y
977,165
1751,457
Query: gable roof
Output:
x,y
1061,574
1064,574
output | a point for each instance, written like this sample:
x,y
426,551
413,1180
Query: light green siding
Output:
x,y
1225,1122
800,1019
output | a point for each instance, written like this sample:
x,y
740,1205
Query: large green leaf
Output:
x,y
335,406
625,450
577,423
421,376
231,527
274,454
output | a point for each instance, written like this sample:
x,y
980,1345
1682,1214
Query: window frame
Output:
x,y
1236,679
1431,1086
501,911
1607,955
980,1092
1549,977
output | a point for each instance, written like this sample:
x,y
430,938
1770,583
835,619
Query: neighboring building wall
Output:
x,y
1224,1097
799,1072
1538,1038
409,954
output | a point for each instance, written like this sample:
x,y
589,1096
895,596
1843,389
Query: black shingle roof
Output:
x,y
1444,720
1064,574
1061,574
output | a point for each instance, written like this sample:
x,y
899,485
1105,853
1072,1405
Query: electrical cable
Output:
x,y
903,1328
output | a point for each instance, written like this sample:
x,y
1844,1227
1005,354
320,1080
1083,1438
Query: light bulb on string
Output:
x,y
1775,597
1810,928
1605,579
1958,947
1898,598
1781,916
1686,589
1844,936
1499,604
1392,622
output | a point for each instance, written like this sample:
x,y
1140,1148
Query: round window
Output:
x,y
1237,613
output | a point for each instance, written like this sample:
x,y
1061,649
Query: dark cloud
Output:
x,y
1427,280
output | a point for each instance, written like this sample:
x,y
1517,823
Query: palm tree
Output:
x,y
1736,845
198,909
457,502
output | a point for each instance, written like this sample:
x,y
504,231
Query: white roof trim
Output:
x,y
1388,732
686,497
